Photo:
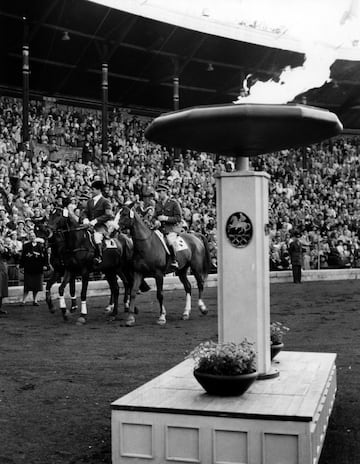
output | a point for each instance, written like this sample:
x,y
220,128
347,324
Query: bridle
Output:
x,y
132,218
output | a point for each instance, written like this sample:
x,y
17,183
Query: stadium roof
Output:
x,y
144,54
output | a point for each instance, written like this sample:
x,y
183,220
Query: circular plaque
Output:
x,y
239,230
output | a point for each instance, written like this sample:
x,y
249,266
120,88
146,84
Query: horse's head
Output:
x,y
126,218
78,237
54,219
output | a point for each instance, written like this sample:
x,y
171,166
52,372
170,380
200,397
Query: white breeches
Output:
x,y
171,237
98,237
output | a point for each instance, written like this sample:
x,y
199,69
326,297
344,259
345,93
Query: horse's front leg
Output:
x,y
62,303
109,308
72,284
114,289
130,319
84,286
49,284
127,284
159,279
187,287
200,280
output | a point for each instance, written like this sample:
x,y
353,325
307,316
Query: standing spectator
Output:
x,y
296,257
34,261
3,276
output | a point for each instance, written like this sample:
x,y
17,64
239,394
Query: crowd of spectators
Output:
x,y
314,191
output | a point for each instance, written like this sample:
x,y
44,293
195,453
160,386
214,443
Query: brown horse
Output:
x,y
151,259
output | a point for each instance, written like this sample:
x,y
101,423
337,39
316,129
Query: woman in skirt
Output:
x,y
34,261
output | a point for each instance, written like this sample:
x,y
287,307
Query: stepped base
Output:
x,y
280,420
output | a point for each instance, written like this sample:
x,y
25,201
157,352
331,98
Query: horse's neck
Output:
x,y
140,231
77,239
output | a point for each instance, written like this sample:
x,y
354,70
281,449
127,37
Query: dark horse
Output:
x,y
152,260
58,271
77,252
53,239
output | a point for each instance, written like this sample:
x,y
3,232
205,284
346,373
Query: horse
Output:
x,y
151,259
76,250
52,237
58,272
81,262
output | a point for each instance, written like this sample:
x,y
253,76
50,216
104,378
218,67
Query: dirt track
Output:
x,y
57,380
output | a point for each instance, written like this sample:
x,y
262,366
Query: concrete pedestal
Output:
x,y
281,420
243,261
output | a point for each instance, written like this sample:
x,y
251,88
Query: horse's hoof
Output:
x,y
51,309
185,317
113,315
203,310
130,322
109,308
65,314
161,321
81,320
73,309
136,311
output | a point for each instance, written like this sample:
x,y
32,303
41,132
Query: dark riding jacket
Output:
x,y
172,210
102,211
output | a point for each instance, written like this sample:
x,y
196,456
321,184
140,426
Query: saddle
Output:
x,y
179,244
107,242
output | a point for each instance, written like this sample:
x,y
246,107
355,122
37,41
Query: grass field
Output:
x,y
57,379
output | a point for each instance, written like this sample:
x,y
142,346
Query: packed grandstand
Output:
x,y
314,190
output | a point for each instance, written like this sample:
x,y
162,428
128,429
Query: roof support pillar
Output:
x,y
105,97
25,75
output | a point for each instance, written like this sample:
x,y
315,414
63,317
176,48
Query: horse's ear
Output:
x,y
131,214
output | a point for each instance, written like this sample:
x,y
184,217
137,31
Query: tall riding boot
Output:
x,y
98,254
173,263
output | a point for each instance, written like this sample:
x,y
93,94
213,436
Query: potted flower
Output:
x,y
226,368
277,331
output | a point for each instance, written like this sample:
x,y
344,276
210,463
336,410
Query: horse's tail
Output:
x,y
207,258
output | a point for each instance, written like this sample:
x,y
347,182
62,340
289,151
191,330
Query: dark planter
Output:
x,y
275,349
225,385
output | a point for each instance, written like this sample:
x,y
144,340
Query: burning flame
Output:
x,y
321,51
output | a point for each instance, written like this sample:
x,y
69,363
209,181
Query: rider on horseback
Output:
x,y
168,216
97,212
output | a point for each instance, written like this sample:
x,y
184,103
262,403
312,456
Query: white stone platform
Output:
x,y
277,421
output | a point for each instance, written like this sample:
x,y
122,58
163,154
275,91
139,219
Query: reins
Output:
x,y
75,229
72,229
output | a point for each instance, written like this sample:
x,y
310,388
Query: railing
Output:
x,y
16,275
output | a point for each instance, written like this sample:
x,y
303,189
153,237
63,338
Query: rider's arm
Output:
x,y
72,215
85,213
155,217
107,216
174,216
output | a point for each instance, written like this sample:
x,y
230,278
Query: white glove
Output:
x,y
93,222
86,221
162,217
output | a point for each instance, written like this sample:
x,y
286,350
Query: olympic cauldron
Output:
x,y
242,131
283,419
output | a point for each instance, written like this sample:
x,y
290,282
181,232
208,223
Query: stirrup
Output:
x,y
174,265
